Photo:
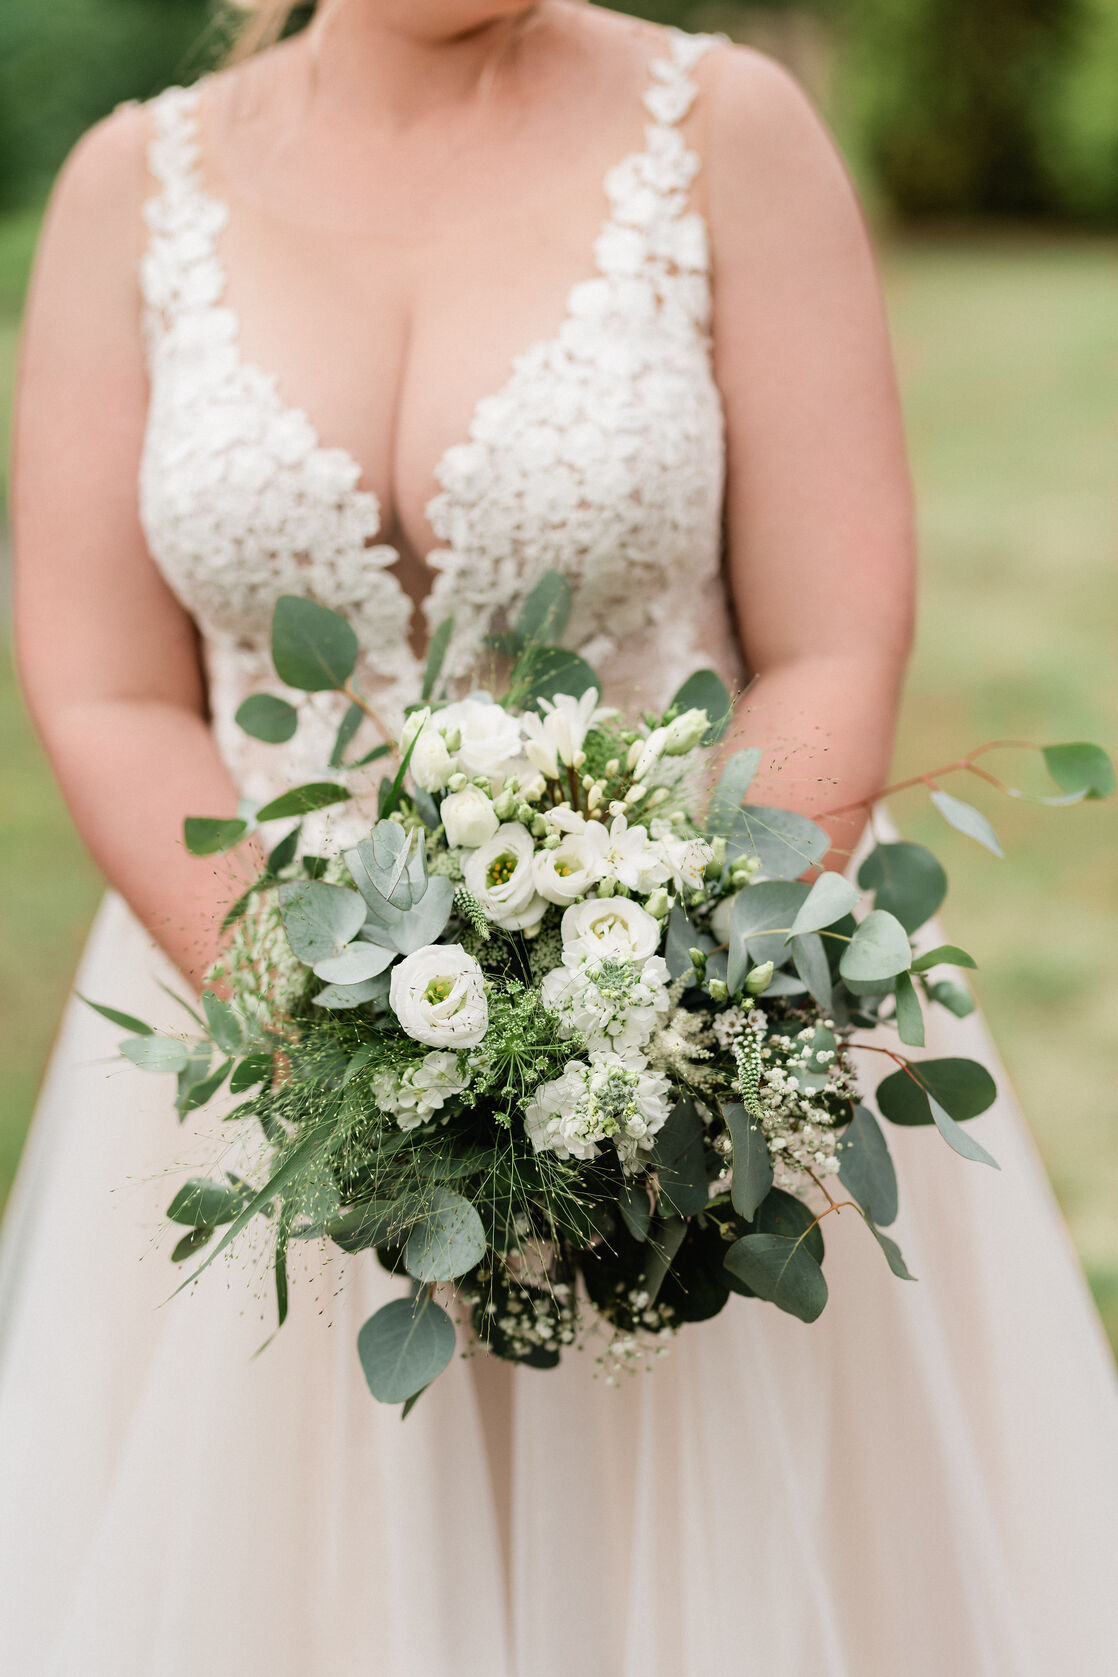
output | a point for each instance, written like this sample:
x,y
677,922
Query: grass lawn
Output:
x,y
1009,358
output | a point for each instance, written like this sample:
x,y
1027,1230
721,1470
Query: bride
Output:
x,y
357,317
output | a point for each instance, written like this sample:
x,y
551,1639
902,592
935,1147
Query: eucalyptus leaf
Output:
x,y
729,794
907,881
224,1022
447,1241
1081,768
156,1053
206,835
126,1021
546,612
284,852
636,1208
958,1138
753,1167
966,819
268,718
782,1271
347,731
910,1015
549,670
866,1168
963,1088
425,922
254,1069
893,1254
945,992
319,919
436,657
356,963
301,800
830,899
192,1241
878,949
204,1089
336,997
759,925
809,958
682,937
405,1346
787,844
705,691
313,649
943,955
680,1156
203,1204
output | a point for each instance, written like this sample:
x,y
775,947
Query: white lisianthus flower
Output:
x,y
611,1001
414,1095
500,875
685,733
488,736
469,818
438,995
568,872
558,736
610,926
607,1097
430,764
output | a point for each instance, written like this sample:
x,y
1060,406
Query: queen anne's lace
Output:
x,y
601,457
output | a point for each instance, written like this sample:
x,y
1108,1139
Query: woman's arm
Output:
x,y
108,656
820,525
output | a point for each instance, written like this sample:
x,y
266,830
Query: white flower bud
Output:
x,y
759,979
658,903
457,782
685,732
717,990
469,818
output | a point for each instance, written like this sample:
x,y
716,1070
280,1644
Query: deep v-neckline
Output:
x,y
187,202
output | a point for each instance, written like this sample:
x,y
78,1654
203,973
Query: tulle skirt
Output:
x,y
924,1483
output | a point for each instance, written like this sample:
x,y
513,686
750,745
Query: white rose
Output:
x,y
438,995
488,736
568,872
610,926
500,876
469,818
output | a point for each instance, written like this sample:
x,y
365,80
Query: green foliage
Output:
x,y
866,1169
404,1346
707,691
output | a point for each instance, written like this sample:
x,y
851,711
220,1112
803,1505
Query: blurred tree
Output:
x,y
1081,136
953,99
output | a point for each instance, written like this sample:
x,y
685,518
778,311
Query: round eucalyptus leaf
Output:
x,y
1081,768
759,926
830,899
204,1205
728,796
267,718
963,1088
314,649
788,844
224,1022
206,835
907,881
782,1271
448,1240
320,919
783,1214
156,1053
356,964
878,949
404,1347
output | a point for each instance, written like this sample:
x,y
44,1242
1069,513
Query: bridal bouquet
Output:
x,y
561,1036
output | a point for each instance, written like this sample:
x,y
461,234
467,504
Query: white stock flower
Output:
x,y
438,995
416,1093
469,818
558,736
610,926
500,875
611,1001
607,1097
488,736
568,872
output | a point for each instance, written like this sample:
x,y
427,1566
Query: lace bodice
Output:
x,y
602,456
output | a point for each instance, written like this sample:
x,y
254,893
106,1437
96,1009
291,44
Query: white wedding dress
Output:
x,y
923,1484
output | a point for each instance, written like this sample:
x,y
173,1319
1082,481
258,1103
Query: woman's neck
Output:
x,y
405,62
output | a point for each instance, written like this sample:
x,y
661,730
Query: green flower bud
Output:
x,y
759,979
685,732
658,903
607,888
698,960
457,783
718,991
505,805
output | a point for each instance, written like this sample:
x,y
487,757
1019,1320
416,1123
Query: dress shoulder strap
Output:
x,y
673,92
180,271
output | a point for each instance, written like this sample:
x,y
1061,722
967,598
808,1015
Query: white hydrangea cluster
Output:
x,y
416,1093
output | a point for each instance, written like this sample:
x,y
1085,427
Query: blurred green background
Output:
x,y
984,139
